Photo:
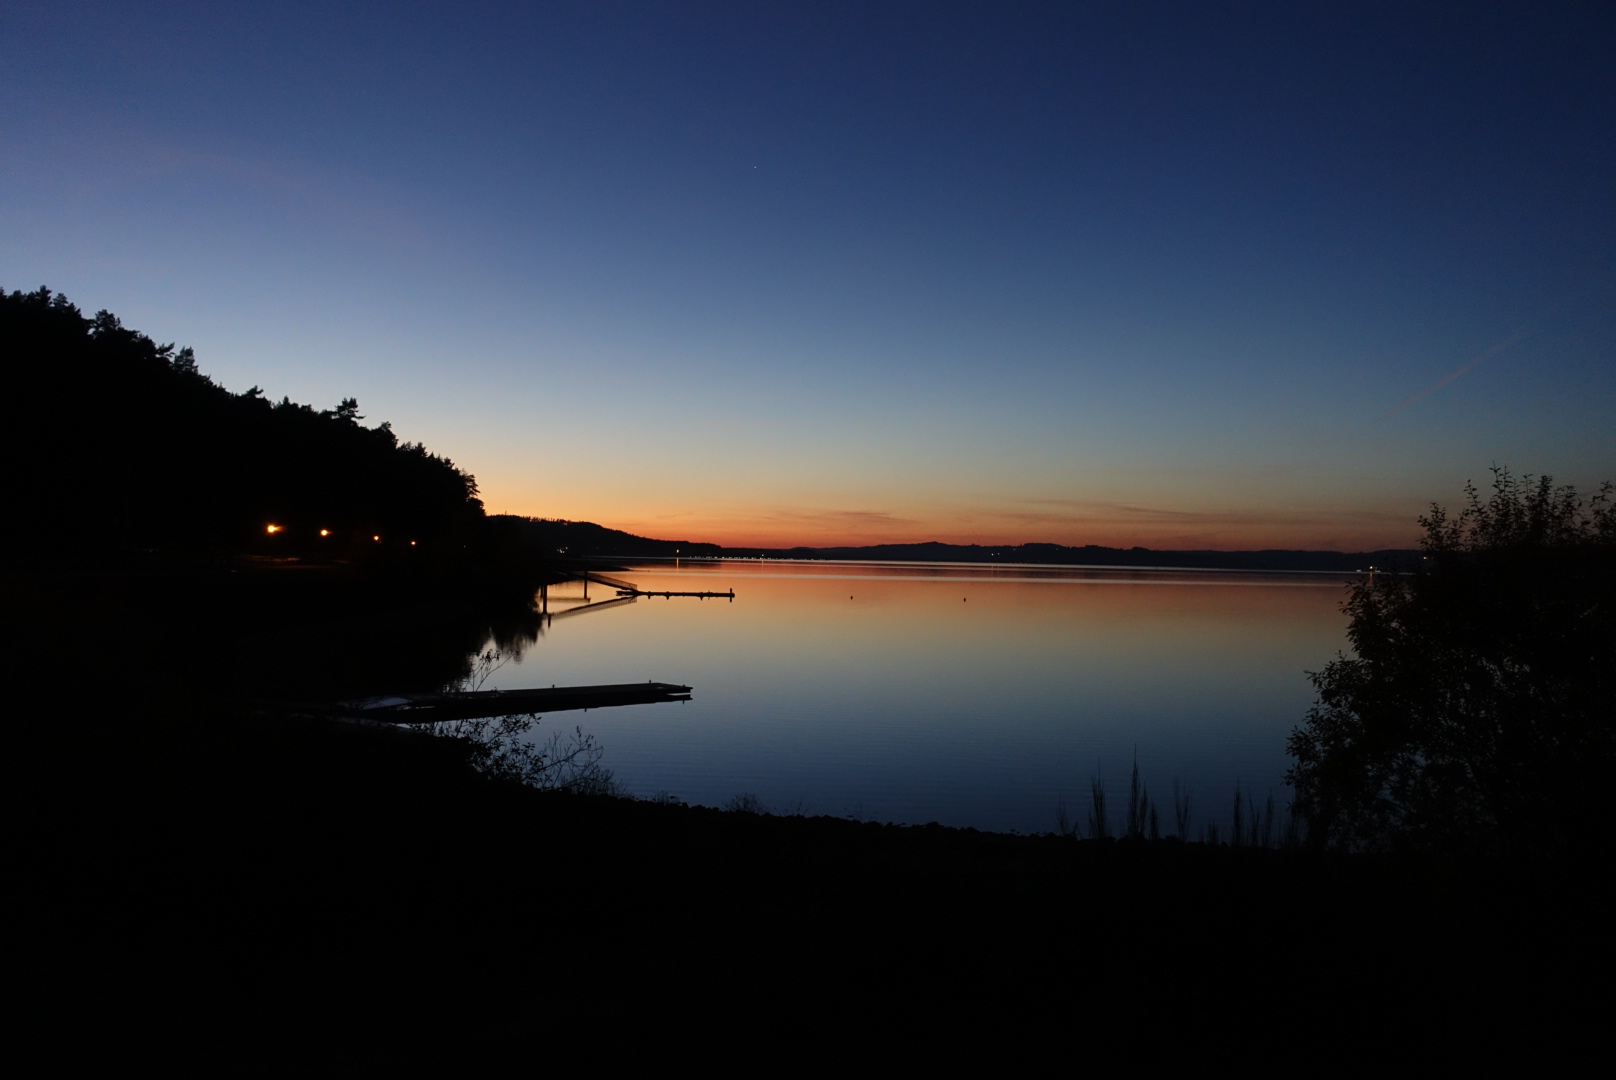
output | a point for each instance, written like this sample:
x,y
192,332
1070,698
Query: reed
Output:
x,y
1295,830
1138,804
1064,822
1251,825
1099,826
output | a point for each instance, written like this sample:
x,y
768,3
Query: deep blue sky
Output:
x,y
1115,273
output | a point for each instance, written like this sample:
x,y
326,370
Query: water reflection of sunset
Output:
x,y
972,695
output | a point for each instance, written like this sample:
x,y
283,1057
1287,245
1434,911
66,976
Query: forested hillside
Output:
x,y
583,539
123,446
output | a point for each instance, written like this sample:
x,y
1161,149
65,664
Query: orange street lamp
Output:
x,y
325,532
273,529
377,539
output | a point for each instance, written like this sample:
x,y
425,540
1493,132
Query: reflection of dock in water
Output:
x,y
477,704
582,609
627,592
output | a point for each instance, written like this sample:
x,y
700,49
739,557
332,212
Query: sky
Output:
x,y
1179,275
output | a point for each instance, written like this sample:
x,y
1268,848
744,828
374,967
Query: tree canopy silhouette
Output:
x,y
1479,712
132,447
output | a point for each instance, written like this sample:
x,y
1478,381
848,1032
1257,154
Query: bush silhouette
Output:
x,y
1477,714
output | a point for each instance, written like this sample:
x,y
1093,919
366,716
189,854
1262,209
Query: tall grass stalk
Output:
x,y
1064,822
1264,837
1138,804
1099,826
1295,830
1251,825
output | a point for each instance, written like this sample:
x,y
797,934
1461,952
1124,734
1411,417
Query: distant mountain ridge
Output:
x,y
1094,555
586,539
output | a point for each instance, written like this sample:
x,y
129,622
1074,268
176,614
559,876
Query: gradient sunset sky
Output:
x,y
1179,275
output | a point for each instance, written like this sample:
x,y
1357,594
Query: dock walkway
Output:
x,y
477,704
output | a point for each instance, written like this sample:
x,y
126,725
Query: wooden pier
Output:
x,y
626,590
478,704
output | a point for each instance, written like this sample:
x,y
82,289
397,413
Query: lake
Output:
x,y
967,694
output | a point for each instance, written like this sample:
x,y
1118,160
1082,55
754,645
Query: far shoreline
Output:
x,y
583,539
978,564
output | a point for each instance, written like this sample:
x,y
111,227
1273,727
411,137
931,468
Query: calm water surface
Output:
x,y
969,695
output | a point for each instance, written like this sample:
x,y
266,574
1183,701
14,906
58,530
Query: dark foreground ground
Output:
x,y
279,882
198,882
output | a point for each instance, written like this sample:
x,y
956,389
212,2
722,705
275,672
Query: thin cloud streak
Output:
x,y
1494,351
779,527
1115,513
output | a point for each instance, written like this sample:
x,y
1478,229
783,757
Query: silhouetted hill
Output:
x,y
1093,555
576,539
129,448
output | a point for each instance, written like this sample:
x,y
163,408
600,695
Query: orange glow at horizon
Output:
x,y
1119,527
777,502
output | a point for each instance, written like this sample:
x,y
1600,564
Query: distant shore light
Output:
x,y
274,529
376,538
325,532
